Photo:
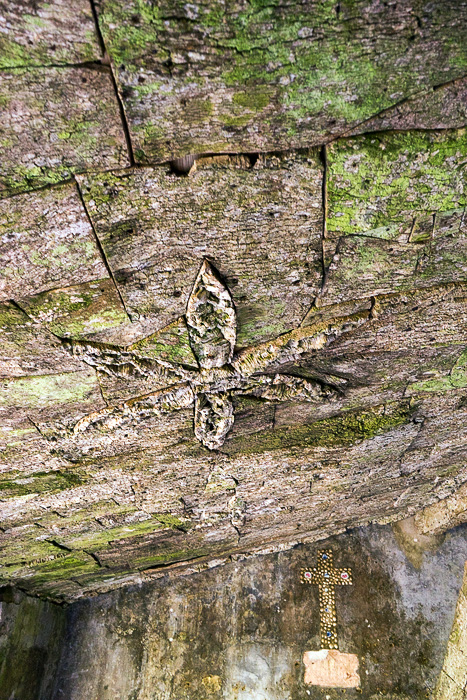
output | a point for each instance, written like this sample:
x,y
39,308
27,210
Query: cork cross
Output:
x,y
222,372
329,667
326,577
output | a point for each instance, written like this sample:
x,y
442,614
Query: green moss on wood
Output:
x,y
48,389
79,310
341,430
457,379
281,73
41,482
173,521
378,181
64,567
153,560
170,343
56,34
65,120
100,539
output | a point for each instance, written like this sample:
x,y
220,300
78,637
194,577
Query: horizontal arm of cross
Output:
x,y
336,577
341,577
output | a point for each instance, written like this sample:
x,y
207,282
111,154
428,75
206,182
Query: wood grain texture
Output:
x,y
341,279
46,242
86,310
260,227
57,121
144,493
441,107
254,76
274,495
400,421
27,349
39,33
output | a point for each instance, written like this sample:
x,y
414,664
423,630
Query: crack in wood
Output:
x,y
100,248
106,61
355,128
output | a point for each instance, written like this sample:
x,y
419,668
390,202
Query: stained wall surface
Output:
x,y
239,632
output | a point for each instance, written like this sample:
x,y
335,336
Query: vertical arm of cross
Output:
x,y
325,576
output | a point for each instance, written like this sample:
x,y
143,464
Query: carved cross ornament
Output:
x,y
222,373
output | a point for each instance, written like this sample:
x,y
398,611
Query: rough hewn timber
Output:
x,y
27,349
255,76
389,439
46,242
274,477
367,422
82,310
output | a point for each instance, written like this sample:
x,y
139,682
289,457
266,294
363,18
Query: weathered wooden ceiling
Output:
x,y
263,344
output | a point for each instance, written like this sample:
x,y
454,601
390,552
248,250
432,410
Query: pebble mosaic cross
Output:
x,y
326,577
329,667
222,373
